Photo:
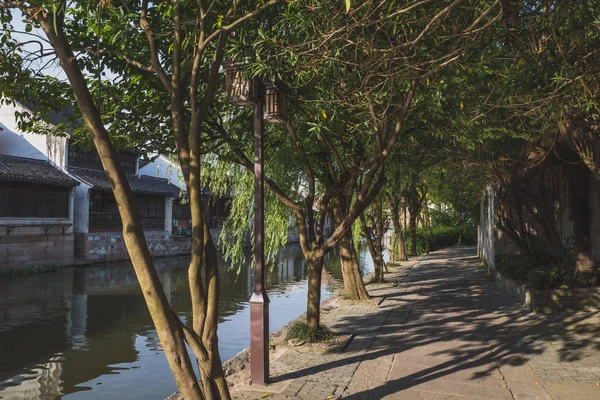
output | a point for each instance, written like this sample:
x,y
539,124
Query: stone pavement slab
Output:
x,y
443,331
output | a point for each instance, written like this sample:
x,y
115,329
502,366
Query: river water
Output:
x,y
85,333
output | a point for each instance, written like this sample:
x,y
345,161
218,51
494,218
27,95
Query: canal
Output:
x,y
85,333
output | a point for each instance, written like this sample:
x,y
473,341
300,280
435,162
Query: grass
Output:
x,y
37,269
301,331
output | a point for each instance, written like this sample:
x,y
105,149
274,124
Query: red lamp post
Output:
x,y
268,105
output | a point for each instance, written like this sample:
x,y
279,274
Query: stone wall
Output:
x,y
102,247
595,216
106,247
33,247
486,229
566,299
547,301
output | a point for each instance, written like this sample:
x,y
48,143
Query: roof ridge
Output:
x,y
154,177
38,160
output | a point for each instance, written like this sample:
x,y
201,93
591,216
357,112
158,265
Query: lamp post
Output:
x,y
269,105
259,302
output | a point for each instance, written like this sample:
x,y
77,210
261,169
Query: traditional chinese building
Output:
x,y
36,198
216,207
56,203
36,213
97,221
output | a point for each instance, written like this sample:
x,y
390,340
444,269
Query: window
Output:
x,y
79,157
181,211
27,200
104,214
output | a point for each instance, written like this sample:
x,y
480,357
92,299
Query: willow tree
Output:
x,y
170,53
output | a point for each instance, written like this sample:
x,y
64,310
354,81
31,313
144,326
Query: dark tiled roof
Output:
x,y
20,169
139,184
53,117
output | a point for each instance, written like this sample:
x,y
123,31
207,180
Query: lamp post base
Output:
x,y
259,338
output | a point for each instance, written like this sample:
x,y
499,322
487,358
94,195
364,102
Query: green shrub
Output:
x,y
442,236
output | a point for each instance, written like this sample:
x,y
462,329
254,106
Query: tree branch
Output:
x,y
127,59
146,27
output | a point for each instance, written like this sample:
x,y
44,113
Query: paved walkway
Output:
x,y
444,331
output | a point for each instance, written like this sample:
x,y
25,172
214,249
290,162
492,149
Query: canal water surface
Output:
x,y
85,333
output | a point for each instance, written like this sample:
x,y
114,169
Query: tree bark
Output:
x,y
313,306
377,257
413,234
354,287
379,239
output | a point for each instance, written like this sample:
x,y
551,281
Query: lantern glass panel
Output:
x,y
274,104
240,90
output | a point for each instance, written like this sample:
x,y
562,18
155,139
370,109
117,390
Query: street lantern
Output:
x,y
240,90
275,104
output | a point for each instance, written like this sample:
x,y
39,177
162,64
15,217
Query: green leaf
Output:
x,y
347,5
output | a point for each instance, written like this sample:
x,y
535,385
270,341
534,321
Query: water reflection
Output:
x,y
86,332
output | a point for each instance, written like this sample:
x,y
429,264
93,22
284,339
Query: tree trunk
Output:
x,y
397,223
354,286
313,307
168,326
413,234
379,239
213,376
405,225
401,242
377,258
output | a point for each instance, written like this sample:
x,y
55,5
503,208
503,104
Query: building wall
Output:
x,y
81,209
28,247
168,214
491,242
25,244
162,167
14,142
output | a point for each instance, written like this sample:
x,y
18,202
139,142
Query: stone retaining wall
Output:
x,y
569,299
101,247
548,300
35,249
106,247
